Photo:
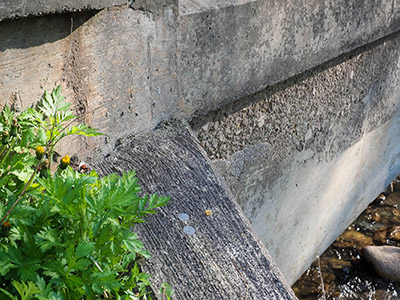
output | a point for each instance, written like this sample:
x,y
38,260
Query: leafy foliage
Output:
x,y
70,236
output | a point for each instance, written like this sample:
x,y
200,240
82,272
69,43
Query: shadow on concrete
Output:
x,y
34,31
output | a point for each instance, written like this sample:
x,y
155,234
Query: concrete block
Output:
x,y
307,157
117,66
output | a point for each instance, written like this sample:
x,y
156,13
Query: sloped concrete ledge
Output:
x,y
10,9
223,259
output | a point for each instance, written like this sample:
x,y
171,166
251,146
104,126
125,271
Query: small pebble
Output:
x,y
183,217
189,230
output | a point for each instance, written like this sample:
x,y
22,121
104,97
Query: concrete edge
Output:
x,y
21,9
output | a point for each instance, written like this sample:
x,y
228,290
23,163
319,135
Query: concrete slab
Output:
x,y
308,156
218,256
10,9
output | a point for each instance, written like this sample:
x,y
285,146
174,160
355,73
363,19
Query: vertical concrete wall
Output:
x,y
304,161
127,69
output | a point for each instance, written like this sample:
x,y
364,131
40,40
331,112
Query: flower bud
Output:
x,y
5,229
44,169
14,128
6,225
64,162
5,138
39,152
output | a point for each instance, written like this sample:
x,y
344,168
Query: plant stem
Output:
x,y
8,152
23,191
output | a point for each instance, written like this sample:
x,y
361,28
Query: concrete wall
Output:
x,y
10,9
306,158
126,70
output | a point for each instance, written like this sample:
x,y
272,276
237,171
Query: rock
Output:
x,y
380,236
393,199
379,200
354,239
371,214
396,185
385,260
375,217
338,264
395,233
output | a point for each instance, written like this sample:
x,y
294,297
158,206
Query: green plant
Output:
x,y
65,235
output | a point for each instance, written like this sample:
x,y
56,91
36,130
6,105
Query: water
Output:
x,y
345,274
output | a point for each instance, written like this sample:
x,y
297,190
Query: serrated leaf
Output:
x,y
8,294
83,129
25,291
104,280
84,249
81,264
44,288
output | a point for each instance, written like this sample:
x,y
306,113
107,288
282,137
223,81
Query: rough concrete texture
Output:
x,y
310,154
10,9
116,66
230,49
221,258
126,70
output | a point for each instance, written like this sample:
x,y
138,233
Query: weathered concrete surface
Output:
x,y
127,70
117,66
230,49
223,258
10,9
309,155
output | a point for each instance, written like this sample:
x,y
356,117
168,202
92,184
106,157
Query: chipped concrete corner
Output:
x,y
287,116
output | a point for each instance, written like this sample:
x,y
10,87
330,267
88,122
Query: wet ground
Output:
x,y
345,274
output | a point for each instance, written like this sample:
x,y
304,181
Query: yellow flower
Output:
x,y
64,162
39,152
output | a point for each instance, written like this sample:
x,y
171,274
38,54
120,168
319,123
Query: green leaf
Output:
x,y
8,294
83,129
25,291
105,280
84,249
44,289
48,238
166,290
81,264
